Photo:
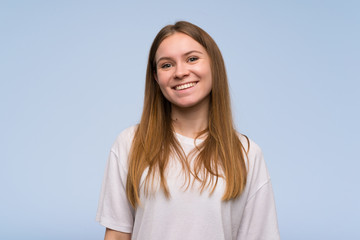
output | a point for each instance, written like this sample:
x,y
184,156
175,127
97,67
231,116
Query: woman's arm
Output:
x,y
116,235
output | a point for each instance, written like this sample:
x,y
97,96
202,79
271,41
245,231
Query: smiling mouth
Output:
x,y
185,86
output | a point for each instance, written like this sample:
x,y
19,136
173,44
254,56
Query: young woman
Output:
x,y
184,172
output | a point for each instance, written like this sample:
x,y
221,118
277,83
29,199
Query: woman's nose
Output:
x,y
181,71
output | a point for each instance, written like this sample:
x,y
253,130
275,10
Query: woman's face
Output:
x,y
183,71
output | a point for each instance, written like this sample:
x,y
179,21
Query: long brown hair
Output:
x,y
221,154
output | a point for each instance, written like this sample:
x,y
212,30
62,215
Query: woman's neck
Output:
x,y
190,121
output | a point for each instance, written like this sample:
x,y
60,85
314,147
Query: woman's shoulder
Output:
x,y
250,147
124,139
257,168
127,132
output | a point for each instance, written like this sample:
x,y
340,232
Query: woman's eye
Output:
x,y
193,59
166,65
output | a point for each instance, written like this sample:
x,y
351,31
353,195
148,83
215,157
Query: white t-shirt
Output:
x,y
188,214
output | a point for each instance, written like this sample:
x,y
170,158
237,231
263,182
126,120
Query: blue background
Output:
x,y
72,77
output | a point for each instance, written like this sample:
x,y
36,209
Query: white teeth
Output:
x,y
184,86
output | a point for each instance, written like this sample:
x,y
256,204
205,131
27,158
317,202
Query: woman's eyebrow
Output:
x,y
163,58
192,51
185,54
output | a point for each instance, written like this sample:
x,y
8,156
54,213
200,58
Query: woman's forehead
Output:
x,y
178,44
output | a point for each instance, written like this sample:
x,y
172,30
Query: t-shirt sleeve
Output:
x,y
259,219
114,210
